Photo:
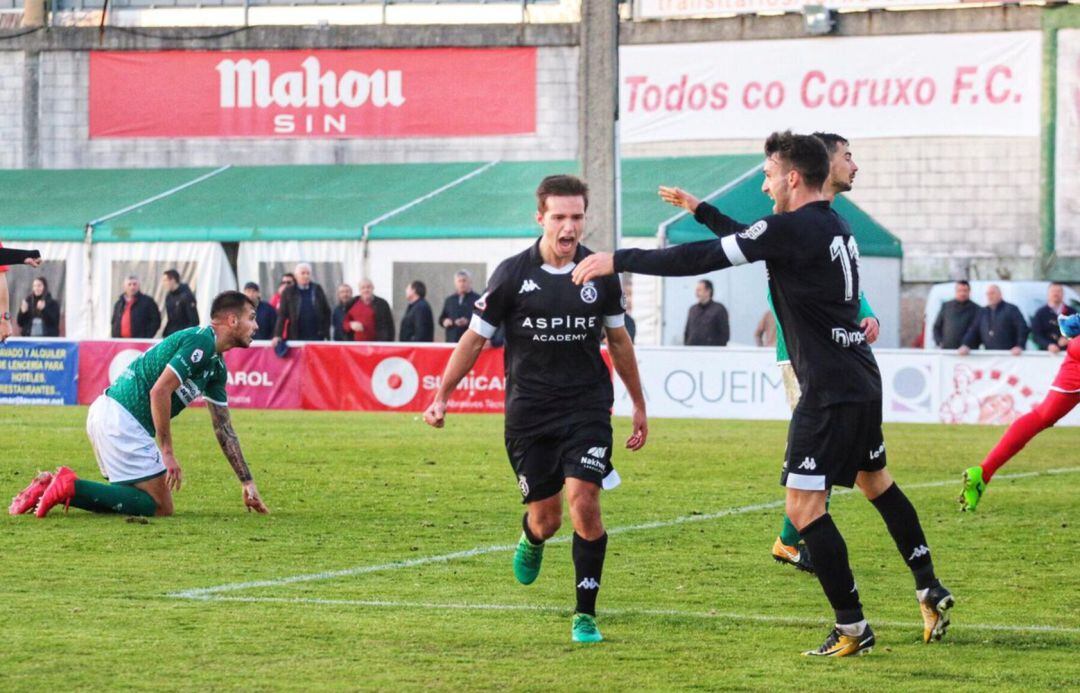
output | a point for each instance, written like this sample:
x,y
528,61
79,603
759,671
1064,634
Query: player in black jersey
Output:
x,y
835,432
559,393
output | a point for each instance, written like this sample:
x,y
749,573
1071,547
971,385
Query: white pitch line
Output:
x,y
719,615
204,592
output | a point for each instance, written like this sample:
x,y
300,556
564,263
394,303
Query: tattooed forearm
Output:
x,y
229,441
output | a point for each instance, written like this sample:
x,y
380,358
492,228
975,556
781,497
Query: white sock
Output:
x,y
852,629
921,594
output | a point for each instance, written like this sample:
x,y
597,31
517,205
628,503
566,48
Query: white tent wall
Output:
x,y
203,265
73,310
742,290
645,299
348,256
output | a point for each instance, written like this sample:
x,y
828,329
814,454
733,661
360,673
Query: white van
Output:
x,y
1028,296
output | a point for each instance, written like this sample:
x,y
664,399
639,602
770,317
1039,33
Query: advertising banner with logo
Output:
x,y
430,92
971,85
1067,144
918,386
38,372
393,378
258,379
671,9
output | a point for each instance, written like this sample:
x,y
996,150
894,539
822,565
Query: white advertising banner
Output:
x,y
918,386
967,85
673,9
1067,145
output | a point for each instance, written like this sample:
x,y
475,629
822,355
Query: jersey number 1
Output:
x,y
846,254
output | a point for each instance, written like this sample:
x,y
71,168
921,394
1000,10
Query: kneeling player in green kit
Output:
x,y
123,422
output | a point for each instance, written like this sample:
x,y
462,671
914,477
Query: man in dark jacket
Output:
x,y
955,318
418,324
180,309
458,307
265,315
135,314
1044,324
345,298
998,326
384,316
304,312
707,321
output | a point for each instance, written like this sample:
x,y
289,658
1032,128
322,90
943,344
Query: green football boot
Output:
x,y
974,487
527,560
585,629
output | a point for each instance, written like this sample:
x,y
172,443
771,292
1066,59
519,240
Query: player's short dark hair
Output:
x,y
251,285
419,288
229,302
708,286
831,140
173,275
288,275
560,186
804,153
963,282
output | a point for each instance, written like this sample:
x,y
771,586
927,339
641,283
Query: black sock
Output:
x,y
832,569
528,532
588,565
903,523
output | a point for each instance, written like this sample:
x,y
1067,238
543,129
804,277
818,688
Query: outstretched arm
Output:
x,y
683,260
704,213
621,349
461,361
230,446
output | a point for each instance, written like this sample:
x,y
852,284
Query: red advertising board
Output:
x,y
258,379
390,378
429,92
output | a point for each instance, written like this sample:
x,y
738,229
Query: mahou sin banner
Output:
x,y
436,92
963,85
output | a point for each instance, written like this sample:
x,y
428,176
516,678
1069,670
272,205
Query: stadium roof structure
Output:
x,y
377,202
742,199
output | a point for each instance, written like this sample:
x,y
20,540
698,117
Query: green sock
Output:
x,y
789,535
112,498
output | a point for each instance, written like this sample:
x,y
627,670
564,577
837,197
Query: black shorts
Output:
x,y
542,462
828,446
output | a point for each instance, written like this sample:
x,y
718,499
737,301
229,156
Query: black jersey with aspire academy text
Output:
x,y
555,374
813,265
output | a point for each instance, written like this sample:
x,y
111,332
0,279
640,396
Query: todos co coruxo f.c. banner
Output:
x,y
428,92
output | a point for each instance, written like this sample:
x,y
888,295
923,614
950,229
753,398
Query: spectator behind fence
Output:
x,y
360,320
135,314
1044,324
707,321
765,332
458,307
181,311
955,318
417,325
288,279
304,313
998,326
384,317
345,298
39,314
265,315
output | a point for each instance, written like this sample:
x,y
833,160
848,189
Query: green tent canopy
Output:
x,y
743,200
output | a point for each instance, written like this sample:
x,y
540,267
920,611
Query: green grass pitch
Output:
x,y
89,601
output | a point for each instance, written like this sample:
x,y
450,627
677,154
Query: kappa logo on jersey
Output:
x,y
874,454
847,339
920,551
589,584
523,484
196,355
588,293
755,231
528,285
808,463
